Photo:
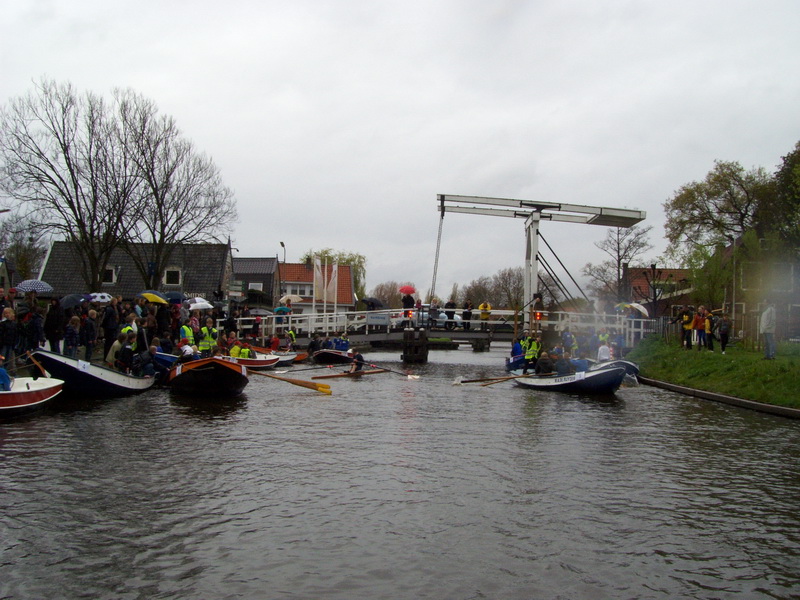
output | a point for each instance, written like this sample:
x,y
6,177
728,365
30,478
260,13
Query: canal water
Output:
x,y
401,488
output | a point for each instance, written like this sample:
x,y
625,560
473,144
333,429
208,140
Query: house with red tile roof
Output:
x,y
670,286
298,279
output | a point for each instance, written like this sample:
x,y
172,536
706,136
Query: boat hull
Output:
x,y
333,357
90,379
208,378
29,395
600,381
631,368
259,362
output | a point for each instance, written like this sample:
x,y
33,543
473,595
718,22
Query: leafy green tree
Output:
x,y
357,263
718,209
783,214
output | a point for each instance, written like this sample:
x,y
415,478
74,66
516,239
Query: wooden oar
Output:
x,y
390,370
518,377
350,374
38,364
308,369
317,387
498,380
481,380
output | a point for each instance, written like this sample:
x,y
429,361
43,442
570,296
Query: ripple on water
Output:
x,y
401,488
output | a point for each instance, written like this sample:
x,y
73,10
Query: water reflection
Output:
x,y
401,488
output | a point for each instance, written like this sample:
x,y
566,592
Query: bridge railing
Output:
x,y
382,321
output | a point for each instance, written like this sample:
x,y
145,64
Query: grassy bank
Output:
x,y
740,372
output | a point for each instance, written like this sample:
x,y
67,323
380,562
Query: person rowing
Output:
x,y
357,364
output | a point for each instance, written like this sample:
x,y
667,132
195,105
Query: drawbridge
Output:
x,y
533,212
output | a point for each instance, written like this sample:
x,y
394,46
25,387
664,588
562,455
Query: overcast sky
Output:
x,y
338,123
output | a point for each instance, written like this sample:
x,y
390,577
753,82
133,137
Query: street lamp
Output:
x,y
284,251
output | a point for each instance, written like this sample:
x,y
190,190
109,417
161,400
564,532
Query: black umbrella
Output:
x,y
73,300
374,301
175,297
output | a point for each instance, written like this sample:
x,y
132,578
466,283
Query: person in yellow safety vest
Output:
x,y
208,337
131,327
245,352
486,310
186,331
532,348
291,338
236,350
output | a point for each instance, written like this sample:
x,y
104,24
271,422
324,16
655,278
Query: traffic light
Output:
x,y
538,316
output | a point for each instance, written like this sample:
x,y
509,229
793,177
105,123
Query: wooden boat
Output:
x,y
208,377
631,368
516,362
333,357
600,381
286,357
28,394
166,360
82,378
257,362
353,374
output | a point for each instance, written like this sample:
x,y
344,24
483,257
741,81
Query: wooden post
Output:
x,y
415,346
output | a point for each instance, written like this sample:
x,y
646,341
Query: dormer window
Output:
x,y
109,276
172,276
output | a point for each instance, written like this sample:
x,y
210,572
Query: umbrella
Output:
x,y
175,297
407,289
196,300
200,306
290,298
155,299
154,293
634,305
374,301
74,300
100,297
282,310
259,312
34,285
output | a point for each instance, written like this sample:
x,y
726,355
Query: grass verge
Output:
x,y
739,372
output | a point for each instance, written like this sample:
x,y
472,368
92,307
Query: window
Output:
x,y
109,275
256,286
172,276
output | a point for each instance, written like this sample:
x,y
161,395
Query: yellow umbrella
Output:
x,y
153,298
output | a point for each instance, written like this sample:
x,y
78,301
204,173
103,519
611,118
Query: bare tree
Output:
x,y
508,288
22,246
183,198
388,293
623,246
60,162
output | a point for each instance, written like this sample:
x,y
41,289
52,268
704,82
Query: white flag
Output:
x,y
333,284
319,282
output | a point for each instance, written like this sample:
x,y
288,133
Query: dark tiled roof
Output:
x,y
204,269
254,266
